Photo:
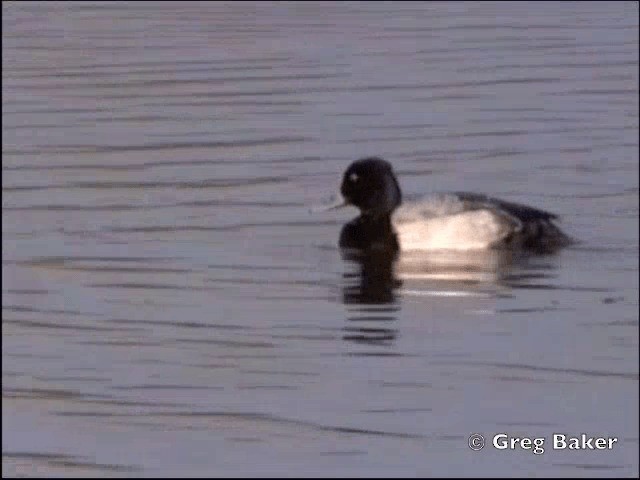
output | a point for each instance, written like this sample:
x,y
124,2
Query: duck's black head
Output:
x,y
371,185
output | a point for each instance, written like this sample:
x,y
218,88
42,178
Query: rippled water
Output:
x,y
171,307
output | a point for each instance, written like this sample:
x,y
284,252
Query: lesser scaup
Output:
x,y
451,221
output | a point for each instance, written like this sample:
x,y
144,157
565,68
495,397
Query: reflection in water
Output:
x,y
374,281
371,287
459,269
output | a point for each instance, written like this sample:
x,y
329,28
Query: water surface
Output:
x,y
170,307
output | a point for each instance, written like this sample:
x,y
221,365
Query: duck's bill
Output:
x,y
334,205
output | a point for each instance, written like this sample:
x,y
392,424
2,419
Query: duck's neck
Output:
x,y
380,222
369,231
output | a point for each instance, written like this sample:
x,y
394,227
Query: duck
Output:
x,y
456,221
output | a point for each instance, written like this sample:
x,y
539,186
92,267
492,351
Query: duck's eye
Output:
x,y
353,178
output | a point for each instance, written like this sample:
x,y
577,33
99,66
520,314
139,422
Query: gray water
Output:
x,y
171,307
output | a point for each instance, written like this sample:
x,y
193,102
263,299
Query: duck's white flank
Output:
x,y
443,222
